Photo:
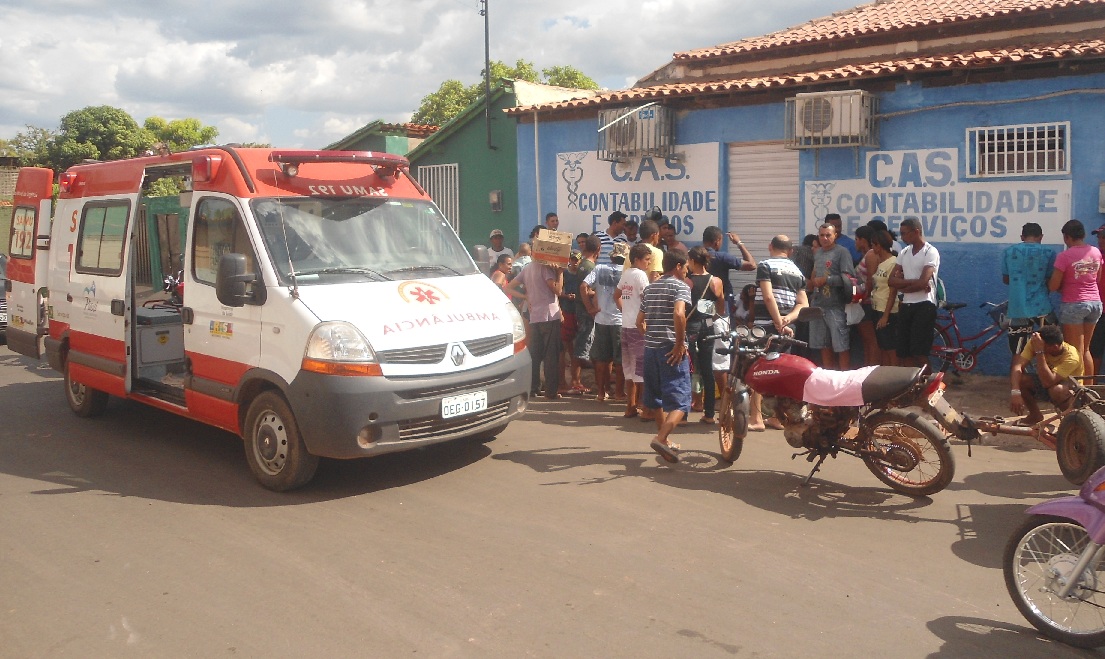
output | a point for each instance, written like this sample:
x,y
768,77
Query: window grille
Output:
x,y
1018,150
442,182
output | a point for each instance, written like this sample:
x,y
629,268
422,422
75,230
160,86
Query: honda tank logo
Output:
x,y
770,371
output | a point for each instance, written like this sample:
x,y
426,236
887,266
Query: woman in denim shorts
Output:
x,y
1076,273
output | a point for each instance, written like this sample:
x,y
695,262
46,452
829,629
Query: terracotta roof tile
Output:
x,y
964,60
882,16
412,130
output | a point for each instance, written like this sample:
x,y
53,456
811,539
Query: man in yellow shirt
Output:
x,y
1043,371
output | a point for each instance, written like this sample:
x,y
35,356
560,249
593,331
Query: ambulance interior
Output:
x,y
158,359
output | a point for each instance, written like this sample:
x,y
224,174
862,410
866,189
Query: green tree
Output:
x,y
439,107
98,133
180,134
29,146
568,76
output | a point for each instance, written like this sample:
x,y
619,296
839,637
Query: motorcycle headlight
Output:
x,y
338,348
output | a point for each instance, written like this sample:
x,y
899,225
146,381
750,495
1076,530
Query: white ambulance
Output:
x,y
328,309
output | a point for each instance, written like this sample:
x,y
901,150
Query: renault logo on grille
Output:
x,y
457,354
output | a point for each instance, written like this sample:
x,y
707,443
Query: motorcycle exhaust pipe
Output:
x,y
951,420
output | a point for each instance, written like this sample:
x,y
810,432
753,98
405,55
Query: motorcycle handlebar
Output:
x,y
787,340
774,338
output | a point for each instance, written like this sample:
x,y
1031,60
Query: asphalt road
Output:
x,y
143,534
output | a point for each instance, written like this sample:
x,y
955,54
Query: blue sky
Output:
x,y
303,74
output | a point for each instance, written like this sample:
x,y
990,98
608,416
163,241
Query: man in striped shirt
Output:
x,y
781,294
614,233
782,287
667,371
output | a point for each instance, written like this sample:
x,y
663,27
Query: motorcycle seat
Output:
x,y
887,382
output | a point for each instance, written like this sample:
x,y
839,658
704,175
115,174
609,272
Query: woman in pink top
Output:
x,y
1077,270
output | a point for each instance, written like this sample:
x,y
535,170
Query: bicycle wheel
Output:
x,y
942,355
1039,559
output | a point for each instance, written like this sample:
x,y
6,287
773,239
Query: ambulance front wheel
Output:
x,y
83,400
275,451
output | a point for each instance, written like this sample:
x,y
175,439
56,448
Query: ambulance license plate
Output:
x,y
463,404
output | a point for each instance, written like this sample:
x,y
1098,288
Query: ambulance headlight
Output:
x,y
518,328
338,348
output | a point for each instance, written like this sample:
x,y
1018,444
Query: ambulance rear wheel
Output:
x,y
275,450
83,400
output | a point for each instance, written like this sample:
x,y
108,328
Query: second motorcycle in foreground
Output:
x,y
857,413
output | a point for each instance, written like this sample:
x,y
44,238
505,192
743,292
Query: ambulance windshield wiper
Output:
x,y
417,268
343,271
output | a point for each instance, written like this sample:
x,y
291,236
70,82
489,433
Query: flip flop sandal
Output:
x,y
668,453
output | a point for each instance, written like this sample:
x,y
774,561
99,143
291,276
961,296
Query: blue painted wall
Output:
x,y
971,271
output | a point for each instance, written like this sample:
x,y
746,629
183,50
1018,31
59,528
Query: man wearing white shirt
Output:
x,y
914,278
497,249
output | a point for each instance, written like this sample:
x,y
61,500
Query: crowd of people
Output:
x,y
634,305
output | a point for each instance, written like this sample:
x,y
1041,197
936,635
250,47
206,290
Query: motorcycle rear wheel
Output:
x,y
732,425
1043,550
910,454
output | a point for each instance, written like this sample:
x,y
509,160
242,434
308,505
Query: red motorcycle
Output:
x,y
856,412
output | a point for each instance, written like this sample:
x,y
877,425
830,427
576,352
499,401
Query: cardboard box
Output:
x,y
553,247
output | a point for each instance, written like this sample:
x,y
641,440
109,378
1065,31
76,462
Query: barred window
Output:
x,y
1018,150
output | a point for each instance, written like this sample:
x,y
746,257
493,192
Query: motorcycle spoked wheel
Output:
x,y
907,452
1038,558
732,424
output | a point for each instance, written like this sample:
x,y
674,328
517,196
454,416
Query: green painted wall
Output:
x,y
397,144
480,170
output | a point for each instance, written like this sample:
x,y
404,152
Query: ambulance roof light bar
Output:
x,y
385,164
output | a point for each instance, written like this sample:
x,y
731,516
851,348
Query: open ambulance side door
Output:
x,y
28,248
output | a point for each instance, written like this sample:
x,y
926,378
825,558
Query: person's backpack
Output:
x,y
941,293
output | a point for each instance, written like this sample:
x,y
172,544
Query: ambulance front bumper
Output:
x,y
355,417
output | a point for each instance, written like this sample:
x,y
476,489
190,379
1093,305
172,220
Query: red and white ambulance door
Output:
x,y
221,342
90,303
28,264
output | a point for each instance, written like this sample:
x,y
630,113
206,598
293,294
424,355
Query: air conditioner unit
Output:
x,y
626,133
831,119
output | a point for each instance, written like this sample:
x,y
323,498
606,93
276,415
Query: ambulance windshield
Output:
x,y
319,239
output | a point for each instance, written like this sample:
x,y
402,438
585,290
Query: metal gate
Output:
x,y
442,182
764,198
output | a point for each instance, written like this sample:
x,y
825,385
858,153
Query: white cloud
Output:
x,y
305,74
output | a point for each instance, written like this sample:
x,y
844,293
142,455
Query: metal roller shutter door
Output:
x,y
763,198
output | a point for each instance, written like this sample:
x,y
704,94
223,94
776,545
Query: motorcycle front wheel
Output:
x,y
907,452
1040,558
732,424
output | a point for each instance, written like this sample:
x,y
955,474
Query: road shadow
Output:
x,y
37,368
773,491
134,450
586,412
1024,485
978,637
984,530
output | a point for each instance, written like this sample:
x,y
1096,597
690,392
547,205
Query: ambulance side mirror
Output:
x,y
231,282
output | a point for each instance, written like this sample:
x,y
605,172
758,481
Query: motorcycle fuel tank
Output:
x,y
780,375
